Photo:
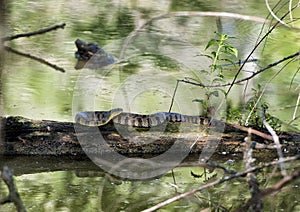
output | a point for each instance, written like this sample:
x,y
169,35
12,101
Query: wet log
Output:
x,y
22,136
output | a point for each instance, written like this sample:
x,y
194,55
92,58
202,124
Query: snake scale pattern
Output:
x,y
100,118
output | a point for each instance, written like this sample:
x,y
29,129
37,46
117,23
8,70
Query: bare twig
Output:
x,y
35,58
13,195
253,131
266,192
246,78
251,177
252,51
239,174
274,15
173,97
296,107
41,31
278,146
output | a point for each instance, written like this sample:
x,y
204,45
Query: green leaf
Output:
x,y
214,54
231,50
210,43
198,100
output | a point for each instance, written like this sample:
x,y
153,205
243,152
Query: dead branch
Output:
x,y
238,174
252,51
41,60
38,32
251,176
277,144
266,192
246,78
13,195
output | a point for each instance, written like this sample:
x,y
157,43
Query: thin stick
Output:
x,y
266,192
296,107
173,97
278,146
274,15
246,78
252,51
38,32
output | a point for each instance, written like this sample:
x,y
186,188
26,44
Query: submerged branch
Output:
x,y
268,191
13,195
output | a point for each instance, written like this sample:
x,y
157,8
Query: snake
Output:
x,y
100,118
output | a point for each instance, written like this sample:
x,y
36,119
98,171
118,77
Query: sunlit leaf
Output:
x,y
210,43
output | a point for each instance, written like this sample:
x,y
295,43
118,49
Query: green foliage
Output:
x,y
221,51
257,108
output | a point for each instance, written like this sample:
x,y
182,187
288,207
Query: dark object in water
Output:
x,y
90,55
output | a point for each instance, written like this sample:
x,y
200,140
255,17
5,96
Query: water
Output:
x,y
154,59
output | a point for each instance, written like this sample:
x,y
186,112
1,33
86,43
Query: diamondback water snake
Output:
x,y
100,118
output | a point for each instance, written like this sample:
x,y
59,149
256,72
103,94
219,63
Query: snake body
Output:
x,y
100,118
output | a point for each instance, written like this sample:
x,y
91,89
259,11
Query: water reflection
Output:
x,y
77,185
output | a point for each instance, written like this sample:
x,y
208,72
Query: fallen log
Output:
x,y
22,136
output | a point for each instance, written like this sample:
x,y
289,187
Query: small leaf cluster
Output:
x,y
221,51
257,109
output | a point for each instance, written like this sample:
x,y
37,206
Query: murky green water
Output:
x,y
154,59
78,185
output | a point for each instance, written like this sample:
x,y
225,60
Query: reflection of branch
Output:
x,y
238,174
41,31
266,192
251,176
13,195
34,58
